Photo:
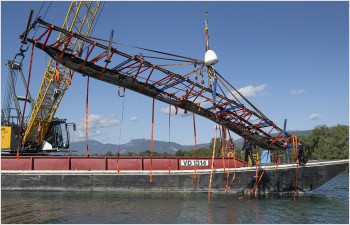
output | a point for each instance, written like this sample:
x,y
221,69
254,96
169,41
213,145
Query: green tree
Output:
x,y
131,154
180,153
328,142
217,146
109,153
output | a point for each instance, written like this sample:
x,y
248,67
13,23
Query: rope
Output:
x,y
256,176
57,73
228,161
25,102
235,165
169,167
119,94
152,140
234,161
276,159
223,147
169,124
212,164
87,118
255,188
120,131
295,145
257,181
195,149
39,132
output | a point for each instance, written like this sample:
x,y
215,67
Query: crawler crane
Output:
x,y
42,132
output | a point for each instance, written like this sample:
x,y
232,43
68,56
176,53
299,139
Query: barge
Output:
x,y
184,91
169,174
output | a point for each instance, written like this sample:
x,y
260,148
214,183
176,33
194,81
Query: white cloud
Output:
x,y
97,124
180,112
134,118
297,91
248,91
314,116
97,121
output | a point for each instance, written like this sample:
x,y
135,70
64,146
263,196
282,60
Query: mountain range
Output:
x,y
140,145
135,145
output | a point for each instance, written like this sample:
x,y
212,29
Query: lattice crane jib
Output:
x,y
188,91
79,19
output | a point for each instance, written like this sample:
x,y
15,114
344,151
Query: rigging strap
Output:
x,y
212,164
25,102
120,129
152,140
87,118
195,149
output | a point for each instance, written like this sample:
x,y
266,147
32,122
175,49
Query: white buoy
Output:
x,y
210,58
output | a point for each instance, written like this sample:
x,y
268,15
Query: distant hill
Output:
x,y
140,145
300,132
135,145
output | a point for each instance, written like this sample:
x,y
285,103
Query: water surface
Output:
x,y
327,204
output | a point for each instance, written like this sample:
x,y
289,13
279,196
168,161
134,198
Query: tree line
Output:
x,y
328,142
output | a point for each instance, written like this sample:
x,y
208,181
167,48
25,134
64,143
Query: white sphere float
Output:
x,y
210,58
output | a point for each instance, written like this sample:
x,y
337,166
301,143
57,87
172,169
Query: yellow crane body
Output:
x,y
79,19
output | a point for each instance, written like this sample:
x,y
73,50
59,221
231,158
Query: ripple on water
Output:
x,y
327,204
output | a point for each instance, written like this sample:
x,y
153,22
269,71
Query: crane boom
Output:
x,y
79,19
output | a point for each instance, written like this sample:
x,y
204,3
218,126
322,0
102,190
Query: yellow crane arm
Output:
x,y
79,19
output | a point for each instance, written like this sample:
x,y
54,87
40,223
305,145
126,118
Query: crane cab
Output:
x,y
57,138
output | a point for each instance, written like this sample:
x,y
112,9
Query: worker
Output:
x,y
301,158
249,147
59,142
288,146
230,145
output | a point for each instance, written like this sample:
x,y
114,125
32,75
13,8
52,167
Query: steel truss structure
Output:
x,y
182,90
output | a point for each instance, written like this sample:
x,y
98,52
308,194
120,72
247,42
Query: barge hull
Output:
x,y
282,179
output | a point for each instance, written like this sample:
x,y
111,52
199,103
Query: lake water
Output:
x,y
327,204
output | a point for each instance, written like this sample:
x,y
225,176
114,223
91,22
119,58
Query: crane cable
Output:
x,y
103,4
43,16
25,102
242,96
186,59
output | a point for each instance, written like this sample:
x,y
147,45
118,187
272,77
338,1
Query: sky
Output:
x,y
290,59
